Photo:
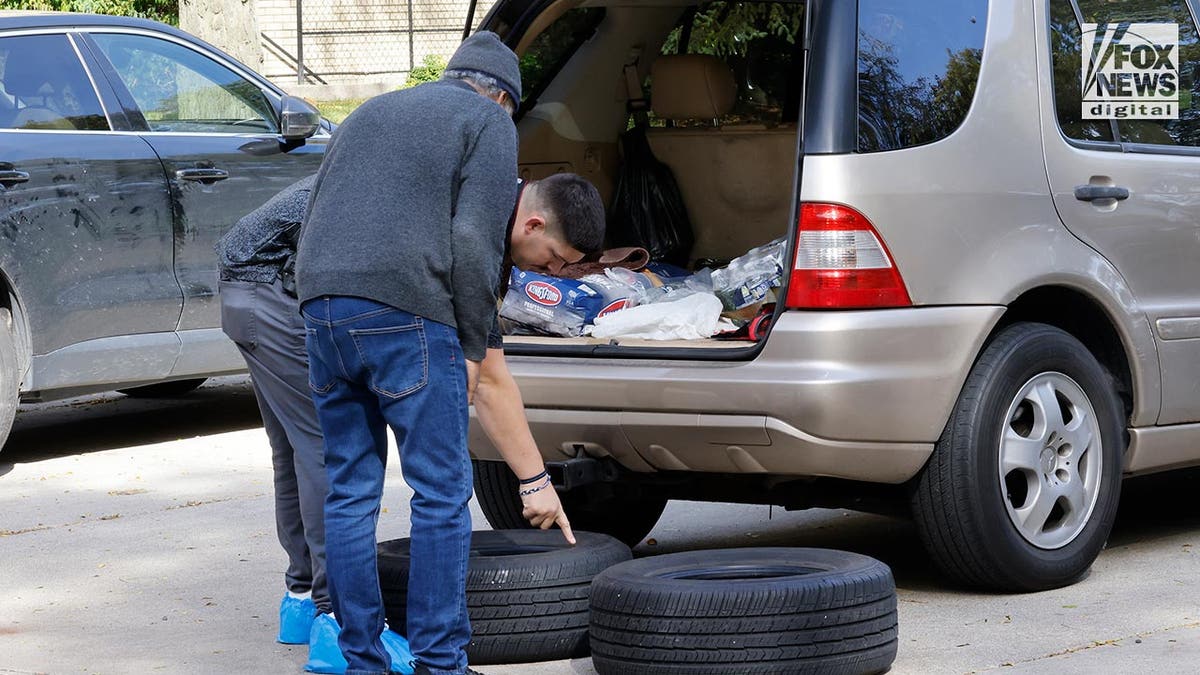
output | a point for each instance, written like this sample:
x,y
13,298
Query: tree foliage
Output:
x,y
430,70
728,28
166,11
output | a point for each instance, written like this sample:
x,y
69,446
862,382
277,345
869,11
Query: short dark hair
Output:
x,y
575,210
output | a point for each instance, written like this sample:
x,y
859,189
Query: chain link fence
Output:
x,y
358,41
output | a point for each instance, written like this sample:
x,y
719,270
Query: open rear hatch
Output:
x,y
716,89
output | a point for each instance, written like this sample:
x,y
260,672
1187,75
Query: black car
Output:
x,y
127,147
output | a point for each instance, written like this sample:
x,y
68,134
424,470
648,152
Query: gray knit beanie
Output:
x,y
484,52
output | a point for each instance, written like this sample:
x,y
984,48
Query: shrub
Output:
x,y
430,70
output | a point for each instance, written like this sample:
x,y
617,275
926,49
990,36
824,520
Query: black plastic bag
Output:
x,y
648,210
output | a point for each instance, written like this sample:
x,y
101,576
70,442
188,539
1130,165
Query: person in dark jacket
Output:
x,y
260,313
396,272
556,222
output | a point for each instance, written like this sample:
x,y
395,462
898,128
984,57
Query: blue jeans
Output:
x,y
371,366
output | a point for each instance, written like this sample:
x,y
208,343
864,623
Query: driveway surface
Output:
x,y
138,537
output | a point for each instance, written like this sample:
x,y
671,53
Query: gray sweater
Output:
x,y
411,205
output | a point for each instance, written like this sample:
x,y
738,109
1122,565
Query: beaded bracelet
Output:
x,y
543,486
527,481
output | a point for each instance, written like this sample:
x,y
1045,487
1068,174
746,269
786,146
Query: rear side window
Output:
x,y
46,87
918,64
1114,19
1065,47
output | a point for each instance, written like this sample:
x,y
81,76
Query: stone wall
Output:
x,y
228,24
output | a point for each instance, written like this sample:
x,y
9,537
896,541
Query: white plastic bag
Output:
x,y
693,317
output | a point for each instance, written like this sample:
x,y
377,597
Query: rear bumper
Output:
x,y
860,395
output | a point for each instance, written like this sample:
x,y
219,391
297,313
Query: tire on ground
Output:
x,y
611,509
10,379
1041,521
527,591
766,610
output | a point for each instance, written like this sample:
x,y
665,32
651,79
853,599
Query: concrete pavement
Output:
x,y
137,537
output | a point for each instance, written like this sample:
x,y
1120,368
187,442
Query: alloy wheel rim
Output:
x,y
1051,460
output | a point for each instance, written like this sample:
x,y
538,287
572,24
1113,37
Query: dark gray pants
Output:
x,y
266,325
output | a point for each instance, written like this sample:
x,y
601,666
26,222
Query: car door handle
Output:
x,y
1088,193
206,175
10,177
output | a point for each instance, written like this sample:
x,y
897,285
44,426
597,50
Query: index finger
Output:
x,y
565,526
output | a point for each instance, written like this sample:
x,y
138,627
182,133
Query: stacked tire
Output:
x,y
527,591
769,610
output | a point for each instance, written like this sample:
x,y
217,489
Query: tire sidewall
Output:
x,y
10,379
1024,351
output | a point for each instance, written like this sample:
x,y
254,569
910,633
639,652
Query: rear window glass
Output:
x,y
45,86
1065,43
1119,18
918,64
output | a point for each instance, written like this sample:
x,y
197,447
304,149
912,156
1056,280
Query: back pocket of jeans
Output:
x,y
320,377
396,358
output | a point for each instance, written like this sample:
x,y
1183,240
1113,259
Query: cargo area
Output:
x,y
715,90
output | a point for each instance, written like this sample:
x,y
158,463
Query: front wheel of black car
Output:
x,y
1022,488
10,379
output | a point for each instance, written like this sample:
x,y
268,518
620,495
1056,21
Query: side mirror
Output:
x,y
299,120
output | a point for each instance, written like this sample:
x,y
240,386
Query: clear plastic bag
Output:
x,y
747,282
648,288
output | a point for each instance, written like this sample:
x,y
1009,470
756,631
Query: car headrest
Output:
x,y
691,87
28,82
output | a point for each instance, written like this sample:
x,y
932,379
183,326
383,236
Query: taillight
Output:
x,y
841,262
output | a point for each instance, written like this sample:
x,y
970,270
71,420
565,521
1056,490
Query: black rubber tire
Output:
x,y
600,508
765,610
527,591
10,379
164,389
957,503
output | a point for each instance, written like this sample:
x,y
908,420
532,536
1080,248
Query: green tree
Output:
x,y
166,11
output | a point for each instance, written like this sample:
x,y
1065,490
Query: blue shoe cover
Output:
x,y
397,648
324,654
295,620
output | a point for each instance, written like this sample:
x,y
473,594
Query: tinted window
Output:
x,y
178,89
1186,129
918,64
758,41
45,86
551,50
1068,95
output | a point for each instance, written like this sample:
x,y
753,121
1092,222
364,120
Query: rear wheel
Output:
x,y
164,389
604,508
9,377
1022,489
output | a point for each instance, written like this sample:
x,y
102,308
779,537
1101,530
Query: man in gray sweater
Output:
x,y
557,220
396,270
